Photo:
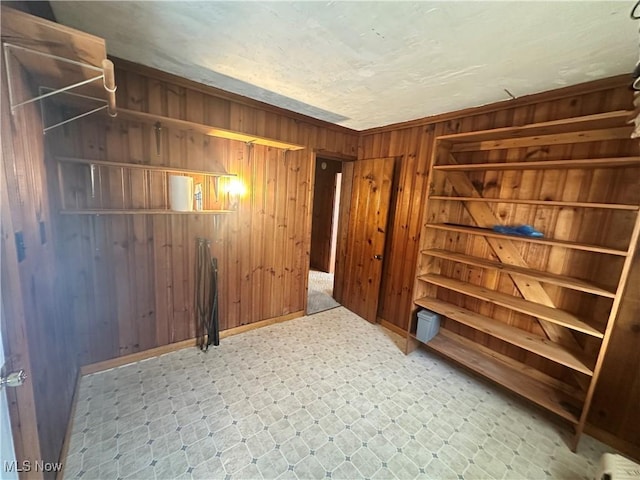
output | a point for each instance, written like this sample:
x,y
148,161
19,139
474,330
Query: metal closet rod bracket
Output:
x,y
104,73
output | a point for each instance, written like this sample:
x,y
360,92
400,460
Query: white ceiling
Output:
x,y
368,64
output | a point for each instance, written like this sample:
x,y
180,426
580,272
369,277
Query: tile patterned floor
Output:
x,y
327,396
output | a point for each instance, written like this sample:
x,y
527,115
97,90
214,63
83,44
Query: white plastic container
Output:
x,y
428,325
181,193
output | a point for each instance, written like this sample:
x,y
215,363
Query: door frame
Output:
x,y
315,153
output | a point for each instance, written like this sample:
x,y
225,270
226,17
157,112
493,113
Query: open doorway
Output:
x,y
324,235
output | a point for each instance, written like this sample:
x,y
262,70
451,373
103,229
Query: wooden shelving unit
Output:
x,y
533,315
94,187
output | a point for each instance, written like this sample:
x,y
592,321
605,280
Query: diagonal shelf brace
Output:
x,y
71,119
506,251
104,73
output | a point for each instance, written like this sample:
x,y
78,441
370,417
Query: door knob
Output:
x,y
14,379
378,257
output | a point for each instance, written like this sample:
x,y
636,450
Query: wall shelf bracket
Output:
x,y
105,73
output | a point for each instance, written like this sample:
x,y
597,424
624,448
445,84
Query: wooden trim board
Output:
x,y
210,130
67,437
393,327
172,347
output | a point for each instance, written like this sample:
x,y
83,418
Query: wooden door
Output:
x,y
366,191
37,318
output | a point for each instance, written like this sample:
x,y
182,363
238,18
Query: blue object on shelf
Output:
x,y
521,230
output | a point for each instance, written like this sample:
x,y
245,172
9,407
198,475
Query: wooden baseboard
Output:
x,y
172,347
67,436
260,324
623,446
392,326
136,357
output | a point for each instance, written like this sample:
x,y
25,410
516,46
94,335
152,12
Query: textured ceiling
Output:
x,y
367,64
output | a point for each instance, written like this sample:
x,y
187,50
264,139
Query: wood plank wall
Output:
x,y
37,326
322,220
412,142
133,276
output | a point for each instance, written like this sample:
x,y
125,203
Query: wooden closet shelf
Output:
x,y
515,336
506,372
604,134
517,238
544,203
545,164
210,130
587,122
543,312
141,211
547,277
140,166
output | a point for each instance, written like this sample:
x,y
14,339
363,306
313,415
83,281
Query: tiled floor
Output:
x,y
327,396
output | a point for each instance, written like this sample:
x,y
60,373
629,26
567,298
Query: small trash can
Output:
x,y
428,325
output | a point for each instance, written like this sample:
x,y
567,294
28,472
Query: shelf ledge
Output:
x,y
515,336
543,312
141,166
547,277
586,122
545,164
516,238
542,203
205,129
141,211
506,372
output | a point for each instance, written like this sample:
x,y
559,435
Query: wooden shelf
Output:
x,y
561,280
515,336
546,164
140,166
205,129
553,315
587,122
604,134
544,203
543,241
141,211
514,376
58,58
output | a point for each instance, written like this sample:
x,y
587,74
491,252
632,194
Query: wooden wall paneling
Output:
x,y
159,254
167,256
